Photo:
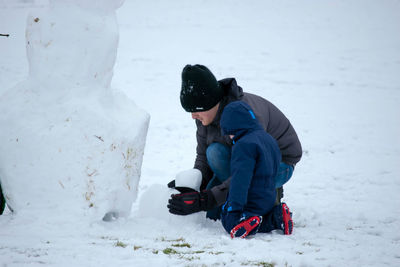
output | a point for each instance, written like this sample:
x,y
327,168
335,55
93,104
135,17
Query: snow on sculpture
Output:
x,y
68,142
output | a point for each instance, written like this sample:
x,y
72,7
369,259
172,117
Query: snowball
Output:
x,y
189,178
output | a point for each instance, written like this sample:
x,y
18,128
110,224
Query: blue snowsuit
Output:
x,y
255,160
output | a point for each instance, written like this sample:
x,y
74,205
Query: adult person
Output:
x,y
205,98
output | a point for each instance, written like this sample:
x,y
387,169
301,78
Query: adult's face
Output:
x,y
206,117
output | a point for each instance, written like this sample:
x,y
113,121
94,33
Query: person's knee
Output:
x,y
212,152
219,158
217,154
284,174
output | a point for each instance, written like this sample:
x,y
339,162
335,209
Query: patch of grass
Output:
x,y
181,245
169,251
175,248
191,258
108,238
120,244
163,239
259,263
197,252
215,253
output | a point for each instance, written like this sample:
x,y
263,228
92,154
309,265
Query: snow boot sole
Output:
x,y
287,220
246,227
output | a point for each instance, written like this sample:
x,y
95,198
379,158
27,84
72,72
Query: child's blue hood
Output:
x,y
237,119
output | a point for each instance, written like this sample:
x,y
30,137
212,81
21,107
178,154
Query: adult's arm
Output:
x,y
201,158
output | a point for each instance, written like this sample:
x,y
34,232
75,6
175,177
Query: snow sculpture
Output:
x,y
68,142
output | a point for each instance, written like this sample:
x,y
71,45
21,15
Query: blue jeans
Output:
x,y
283,174
219,160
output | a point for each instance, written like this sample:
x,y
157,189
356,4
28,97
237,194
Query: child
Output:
x,y
255,159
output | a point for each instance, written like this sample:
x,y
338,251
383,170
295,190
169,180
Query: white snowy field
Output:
x,y
331,66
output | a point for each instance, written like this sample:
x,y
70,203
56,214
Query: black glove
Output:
x,y
191,202
181,189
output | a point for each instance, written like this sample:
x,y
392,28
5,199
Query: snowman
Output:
x,y
69,142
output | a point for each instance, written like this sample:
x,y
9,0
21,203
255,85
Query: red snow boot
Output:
x,y
287,221
246,227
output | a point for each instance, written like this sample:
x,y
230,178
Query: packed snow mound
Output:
x,y
73,45
69,142
104,6
153,204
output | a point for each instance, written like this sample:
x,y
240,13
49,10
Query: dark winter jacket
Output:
x,y
255,161
271,119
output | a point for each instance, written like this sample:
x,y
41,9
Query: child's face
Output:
x,y
231,136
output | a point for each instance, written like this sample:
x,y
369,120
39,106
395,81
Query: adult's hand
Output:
x,y
191,202
181,189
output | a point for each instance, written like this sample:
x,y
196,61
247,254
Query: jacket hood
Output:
x,y
237,119
232,92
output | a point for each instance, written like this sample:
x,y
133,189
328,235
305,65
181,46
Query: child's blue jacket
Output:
x,y
255,160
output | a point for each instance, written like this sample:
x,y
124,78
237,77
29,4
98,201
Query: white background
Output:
x,y
331,66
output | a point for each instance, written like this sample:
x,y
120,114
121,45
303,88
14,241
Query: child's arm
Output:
x,y
243,161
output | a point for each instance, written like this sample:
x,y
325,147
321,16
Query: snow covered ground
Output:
x,y
331,66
